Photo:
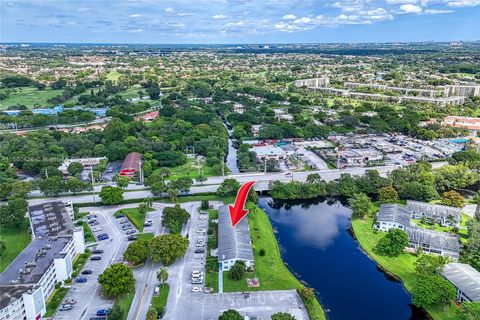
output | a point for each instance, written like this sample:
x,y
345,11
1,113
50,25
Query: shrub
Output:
x,y
262,252
237,271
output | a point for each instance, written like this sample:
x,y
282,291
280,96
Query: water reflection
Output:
x,y
316,244
313,224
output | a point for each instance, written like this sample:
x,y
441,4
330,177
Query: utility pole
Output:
x,y
93,183
265,165
223,165
198,164
46,173
140,171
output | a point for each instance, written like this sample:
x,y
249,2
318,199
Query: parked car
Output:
x,y
69,301
196,273
95,258
132,238
102,236
131,232
127,226
65,307
87,271
97,251
197,281
81,280
120,215
199,251
196,289
103,312
97,229
123,221
148,224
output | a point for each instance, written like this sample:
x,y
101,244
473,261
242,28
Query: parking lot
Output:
x,y
88,295
183,303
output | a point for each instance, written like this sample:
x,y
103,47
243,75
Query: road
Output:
x,y
146,276
212,183
183,304
88,295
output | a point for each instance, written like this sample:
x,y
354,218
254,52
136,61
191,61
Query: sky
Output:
x,y
238,21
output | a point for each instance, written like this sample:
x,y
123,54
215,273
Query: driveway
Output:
x,y
89,295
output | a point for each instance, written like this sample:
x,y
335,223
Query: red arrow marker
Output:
x,y
237,212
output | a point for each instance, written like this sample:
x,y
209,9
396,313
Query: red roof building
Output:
x,y
131,164
150,116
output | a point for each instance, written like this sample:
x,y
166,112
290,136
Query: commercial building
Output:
x,y
392,215
269,152
313,82
358,157
434,242
468,123
30,279
131,164
464,91
465,279
443,215
234,244
86,162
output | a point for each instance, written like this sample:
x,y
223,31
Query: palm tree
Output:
x,y
164,172
162,275
313,178
476,199
173,194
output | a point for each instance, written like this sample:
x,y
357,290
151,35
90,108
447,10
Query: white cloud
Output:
x,y
135,15
463,3
289,17
400,1
169,10
436,11
219,16
303,20
410,8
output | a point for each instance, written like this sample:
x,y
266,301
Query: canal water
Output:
x,y
318,248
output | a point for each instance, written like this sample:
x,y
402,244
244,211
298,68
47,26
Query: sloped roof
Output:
x,y
233,243
393,212
435,210
442,240
465,278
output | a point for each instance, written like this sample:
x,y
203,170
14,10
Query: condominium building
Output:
x,y
30,279
313,82
464,91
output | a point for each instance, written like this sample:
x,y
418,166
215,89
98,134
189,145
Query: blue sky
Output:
x,y
238,21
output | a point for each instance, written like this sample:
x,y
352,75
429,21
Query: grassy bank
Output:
x,y
135,217
15,241
124,302
269,269
160,302
55,299
401,267
80,262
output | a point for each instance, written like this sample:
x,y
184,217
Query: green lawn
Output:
x,y
145,236
212,214
113,75
189,169
462,232
402,266
269,269
80,261
160,302
87,233
134,215
15,241
54,301
124,302
132,92
29,96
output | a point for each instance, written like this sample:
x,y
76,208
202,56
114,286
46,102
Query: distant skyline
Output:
x,y
238,21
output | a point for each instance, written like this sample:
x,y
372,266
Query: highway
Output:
x,y
212,183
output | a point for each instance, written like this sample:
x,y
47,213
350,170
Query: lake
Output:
x,y
317,246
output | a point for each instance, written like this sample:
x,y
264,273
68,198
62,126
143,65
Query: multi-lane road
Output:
x,y
212,183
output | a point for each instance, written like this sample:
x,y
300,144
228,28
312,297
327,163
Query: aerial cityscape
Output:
x,y
240,160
